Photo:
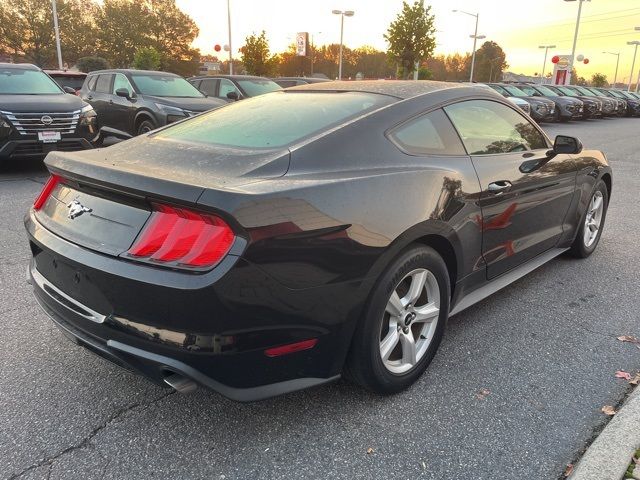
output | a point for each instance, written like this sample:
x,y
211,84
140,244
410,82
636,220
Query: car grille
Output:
x,y
37,148
30,123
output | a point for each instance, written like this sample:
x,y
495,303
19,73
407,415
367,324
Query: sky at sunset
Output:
x,y
518,26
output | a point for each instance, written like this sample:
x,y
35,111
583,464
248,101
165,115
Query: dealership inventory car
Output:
x,y
38,116
286,82
609,105
522,104
632,99
592,105
567,108
542,109
277,243
233,87
68,78
137,101
622,107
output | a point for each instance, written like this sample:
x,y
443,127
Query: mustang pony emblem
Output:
x,y
76,209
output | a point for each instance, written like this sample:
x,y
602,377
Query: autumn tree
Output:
x,y
26,30
411,37
491,61
255,55
599,80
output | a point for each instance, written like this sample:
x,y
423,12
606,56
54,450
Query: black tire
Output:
x,y
579,249
364,363
145,126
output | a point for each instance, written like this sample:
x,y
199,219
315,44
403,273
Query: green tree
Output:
x,y
121,30
146,58
371,63
411,36
89,64
256,57
491,61
599,80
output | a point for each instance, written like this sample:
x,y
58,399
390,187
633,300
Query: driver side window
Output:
x,y
489,128
121,81
227,86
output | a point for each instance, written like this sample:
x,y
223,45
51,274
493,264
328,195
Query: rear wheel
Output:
x,y
403,323
592,223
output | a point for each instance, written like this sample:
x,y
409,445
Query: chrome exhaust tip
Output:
x,y
180,383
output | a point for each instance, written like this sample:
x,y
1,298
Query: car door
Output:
x,y
526,189
121,109
99,99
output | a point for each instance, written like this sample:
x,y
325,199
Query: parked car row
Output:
x,y
556,103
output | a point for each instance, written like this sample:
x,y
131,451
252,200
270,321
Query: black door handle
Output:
x,y
499,186
90,97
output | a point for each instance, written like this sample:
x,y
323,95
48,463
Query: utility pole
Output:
x,y
57,32
230,49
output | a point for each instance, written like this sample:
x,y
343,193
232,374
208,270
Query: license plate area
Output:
x,y
49,137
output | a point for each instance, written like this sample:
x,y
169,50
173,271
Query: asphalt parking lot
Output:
x,y
514,392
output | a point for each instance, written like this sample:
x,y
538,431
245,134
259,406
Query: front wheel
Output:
x,y
403,323
592,223
145,127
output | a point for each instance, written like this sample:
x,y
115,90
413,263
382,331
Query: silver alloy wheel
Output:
x,y
410,321
593,219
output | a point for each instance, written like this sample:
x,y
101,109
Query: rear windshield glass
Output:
x,y
164,86
18,81
69,81
274,120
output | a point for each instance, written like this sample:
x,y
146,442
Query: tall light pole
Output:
x,y
637,29
615,77
544,64
475,37
313,49
633,64
57,32
575,35
230,49
342,13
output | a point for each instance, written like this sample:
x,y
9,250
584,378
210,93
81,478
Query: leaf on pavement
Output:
x,y
608,410
628,338
569,470
482,394
370,451
623,374
635,380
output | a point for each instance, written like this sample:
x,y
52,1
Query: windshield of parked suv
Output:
x,y
529,90
629,95
514,91
273,120
568,91
255,87
164,86
585,91
18,81
547,92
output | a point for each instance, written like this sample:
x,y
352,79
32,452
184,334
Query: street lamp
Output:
x,y
57,32
633,64
475,37
637,29
342,13
230,49
544,64
615,77
575,35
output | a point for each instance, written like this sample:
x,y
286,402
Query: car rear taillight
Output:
x,y
46,191
184,238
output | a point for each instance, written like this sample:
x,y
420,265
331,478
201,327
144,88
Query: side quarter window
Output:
x,y
428,134
489,128
91,82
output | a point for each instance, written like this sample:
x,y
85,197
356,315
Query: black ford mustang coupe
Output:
x,y
277,243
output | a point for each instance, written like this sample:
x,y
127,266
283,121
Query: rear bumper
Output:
x,y
216,340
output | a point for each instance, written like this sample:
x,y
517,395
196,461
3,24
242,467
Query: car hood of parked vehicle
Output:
x,y
194,104
54,103
146,162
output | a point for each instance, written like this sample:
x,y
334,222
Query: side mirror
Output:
x,y
232,96
123,92
70,90
566,144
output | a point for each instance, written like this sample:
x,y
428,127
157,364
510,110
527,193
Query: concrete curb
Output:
x,y
610,454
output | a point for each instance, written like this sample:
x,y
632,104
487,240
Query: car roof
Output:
x,y
306,79
133,70
21,66
66,72
232,77
402,89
